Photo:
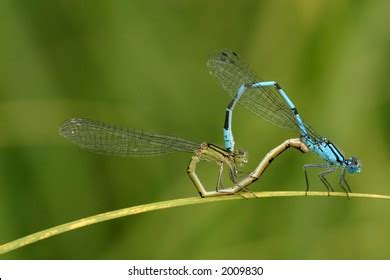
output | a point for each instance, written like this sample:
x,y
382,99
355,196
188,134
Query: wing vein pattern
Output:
x,y
109,139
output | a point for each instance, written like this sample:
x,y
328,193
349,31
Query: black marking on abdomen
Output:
x,y
336,152
277,86
227,116
231,103
294,110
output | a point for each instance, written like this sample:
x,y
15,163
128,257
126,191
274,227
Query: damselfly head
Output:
x,y
352,164
240,156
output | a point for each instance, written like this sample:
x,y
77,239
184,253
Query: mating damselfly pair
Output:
x,y
265,99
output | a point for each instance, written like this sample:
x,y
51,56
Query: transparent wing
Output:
x,y
231,71
110,139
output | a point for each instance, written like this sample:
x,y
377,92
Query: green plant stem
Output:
x,y
35,237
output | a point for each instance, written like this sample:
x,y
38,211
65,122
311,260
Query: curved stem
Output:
x,y
35,237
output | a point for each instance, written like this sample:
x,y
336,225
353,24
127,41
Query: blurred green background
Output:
x,y
142,64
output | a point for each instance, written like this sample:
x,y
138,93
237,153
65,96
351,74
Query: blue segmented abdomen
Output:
x,y
289,103
228,139
323,148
